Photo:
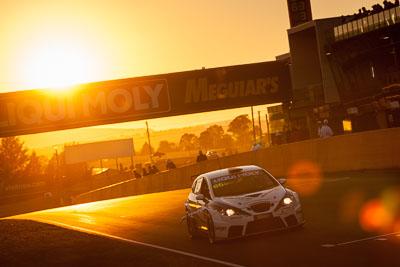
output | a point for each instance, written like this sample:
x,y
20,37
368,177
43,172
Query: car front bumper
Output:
x,y
243,225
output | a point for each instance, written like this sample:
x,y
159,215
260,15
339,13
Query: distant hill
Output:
x,y
44,143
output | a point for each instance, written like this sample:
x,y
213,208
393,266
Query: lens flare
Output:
x,y
304,177
382,214
391,199
374,216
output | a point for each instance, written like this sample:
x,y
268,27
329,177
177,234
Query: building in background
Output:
x,y
346,70
364,57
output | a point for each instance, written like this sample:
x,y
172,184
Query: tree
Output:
x,y
205,140
240,128
165,146
14,157
216,133
35,166
145,149
227,141
188,141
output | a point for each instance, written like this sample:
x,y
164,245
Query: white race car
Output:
x,y
240,201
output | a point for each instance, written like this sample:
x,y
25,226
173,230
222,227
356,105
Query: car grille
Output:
x,y
261,207
235,230
263,225
291,220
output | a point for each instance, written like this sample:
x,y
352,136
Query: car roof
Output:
x,y
227,171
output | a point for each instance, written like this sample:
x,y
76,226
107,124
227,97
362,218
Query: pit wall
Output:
x,y
351,152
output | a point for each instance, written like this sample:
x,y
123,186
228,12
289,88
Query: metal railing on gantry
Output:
x,y
369,23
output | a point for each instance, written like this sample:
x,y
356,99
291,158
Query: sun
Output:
x,y
58,65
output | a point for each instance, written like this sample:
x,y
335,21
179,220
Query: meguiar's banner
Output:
x,y
34,111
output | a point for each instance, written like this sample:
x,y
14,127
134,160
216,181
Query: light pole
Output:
x,y
259,123
56,178
148,137
56,147
254,128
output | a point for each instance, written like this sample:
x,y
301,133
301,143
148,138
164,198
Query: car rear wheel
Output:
x,y
191,226
210,227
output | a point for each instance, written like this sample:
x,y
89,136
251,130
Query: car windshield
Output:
x,y
242,183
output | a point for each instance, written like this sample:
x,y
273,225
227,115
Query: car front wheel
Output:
x,y
210,227
191,226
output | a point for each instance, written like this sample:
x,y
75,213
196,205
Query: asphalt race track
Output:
x,y
352,219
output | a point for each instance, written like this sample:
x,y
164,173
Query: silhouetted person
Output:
x,y
201,156
256,146
326,131
388,5
377,8
144,172
155,169
151,171
170,165
319,128
136,174
365,11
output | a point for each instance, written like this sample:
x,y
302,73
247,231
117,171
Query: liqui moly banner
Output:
x,y
115,101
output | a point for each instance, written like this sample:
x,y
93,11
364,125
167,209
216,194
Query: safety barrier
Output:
x,y
378,149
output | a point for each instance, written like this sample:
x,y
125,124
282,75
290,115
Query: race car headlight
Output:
x,y
230,212
287,201
226,210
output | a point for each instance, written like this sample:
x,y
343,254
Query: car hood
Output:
x,y
273,195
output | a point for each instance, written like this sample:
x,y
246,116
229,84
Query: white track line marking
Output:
x,y
328,245
330,180
379,237
136,242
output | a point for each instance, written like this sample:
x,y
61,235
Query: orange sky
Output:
x,y
52,43
48,43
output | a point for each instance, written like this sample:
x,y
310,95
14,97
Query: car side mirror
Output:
x,y
282,181
200,197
